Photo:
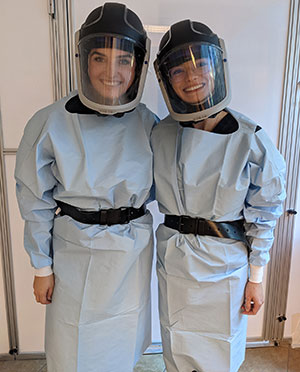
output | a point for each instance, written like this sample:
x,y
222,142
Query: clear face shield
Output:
x,y
194,81
109,70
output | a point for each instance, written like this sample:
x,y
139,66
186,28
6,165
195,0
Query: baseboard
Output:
x,y
155,348
23,356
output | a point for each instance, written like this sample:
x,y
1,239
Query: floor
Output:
x,y
268,359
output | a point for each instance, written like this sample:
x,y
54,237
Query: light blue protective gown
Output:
x,y
99,319
202,278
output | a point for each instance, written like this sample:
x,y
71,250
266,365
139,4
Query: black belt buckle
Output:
x,y
187,225
125,214
200,227
103,217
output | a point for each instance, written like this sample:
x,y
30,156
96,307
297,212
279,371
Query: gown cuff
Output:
x,y
256,273
43,271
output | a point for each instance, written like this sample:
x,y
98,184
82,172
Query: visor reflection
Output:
x,y
198,67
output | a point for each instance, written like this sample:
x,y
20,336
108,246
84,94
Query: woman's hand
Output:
x,y
43,288
254,298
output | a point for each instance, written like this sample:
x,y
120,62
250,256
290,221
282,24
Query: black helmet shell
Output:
x,y
185,32
125,23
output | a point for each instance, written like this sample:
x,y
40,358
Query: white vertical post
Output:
x,y
289,146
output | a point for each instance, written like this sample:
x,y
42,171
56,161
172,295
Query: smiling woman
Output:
x,y
111,73
111,67
193,81
193,76
82,194
220,183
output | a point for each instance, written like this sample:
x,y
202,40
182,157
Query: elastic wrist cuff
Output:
x,y
256,274
43,271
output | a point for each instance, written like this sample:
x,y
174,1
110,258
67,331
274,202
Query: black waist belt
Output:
x,y
103,216
199,226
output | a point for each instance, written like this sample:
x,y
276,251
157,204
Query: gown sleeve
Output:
x,y
152,196
34,188
265,197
